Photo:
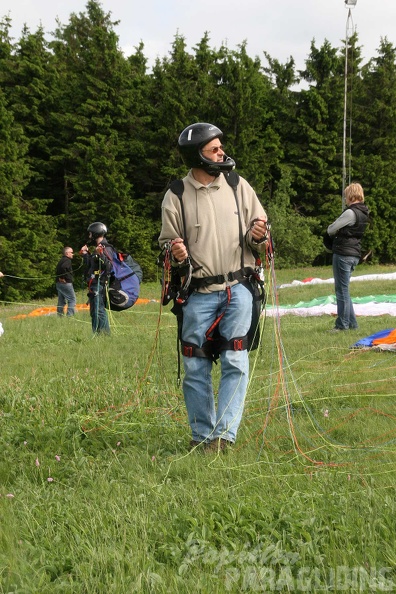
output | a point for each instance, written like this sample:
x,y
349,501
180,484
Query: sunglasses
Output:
x,y
214,149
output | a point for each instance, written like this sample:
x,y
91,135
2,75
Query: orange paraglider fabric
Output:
x,y
46,311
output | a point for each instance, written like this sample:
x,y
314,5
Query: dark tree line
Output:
x,y
88,134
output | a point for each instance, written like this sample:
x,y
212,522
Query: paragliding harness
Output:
x,y
180,283
123,279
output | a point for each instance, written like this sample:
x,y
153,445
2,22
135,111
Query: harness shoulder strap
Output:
x,y
232,178
177,187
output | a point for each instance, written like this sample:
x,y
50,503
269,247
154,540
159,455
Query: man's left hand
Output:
x,y
259,229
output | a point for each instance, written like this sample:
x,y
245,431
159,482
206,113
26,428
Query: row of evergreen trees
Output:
x,y
88,134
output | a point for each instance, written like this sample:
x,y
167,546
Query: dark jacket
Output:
x,y
99,266
348,240
64,270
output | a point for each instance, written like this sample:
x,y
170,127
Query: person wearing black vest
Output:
x,y
346,233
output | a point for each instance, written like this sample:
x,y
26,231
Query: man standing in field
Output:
x,y
217,231
64,283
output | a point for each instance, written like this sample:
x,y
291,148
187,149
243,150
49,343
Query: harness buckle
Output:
x,y
188,351
218,280
238,344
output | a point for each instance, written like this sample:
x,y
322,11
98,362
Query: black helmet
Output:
x,y
97,229
193,139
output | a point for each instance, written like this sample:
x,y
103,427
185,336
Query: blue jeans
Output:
x,y
66,296
343,266
97,309
207,421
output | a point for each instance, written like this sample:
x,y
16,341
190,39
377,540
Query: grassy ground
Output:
x,y
99,494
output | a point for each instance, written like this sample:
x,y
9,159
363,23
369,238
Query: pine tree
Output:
x,y
374,144
294,235
28,248
175,89
92,123
316,146
241,108
30,95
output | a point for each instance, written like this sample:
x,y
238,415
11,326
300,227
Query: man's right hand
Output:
x,y
178,249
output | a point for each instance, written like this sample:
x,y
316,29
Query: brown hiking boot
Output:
x,y
195,444
218,445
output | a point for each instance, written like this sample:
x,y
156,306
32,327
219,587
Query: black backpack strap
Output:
x,y
177,187
232,178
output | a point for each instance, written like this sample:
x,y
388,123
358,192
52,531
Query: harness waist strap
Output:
x,y
219,279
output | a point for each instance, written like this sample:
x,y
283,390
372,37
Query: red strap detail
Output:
x,y
217,321
238,344
187,351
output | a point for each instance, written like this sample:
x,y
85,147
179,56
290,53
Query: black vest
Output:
x,y
347,242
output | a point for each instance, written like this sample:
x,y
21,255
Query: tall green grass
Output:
x,y
99,493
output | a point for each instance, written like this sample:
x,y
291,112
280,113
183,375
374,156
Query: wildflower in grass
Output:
x,y
57,458
152,458
118,443
326,413
10,495
37,462
50,479
25,443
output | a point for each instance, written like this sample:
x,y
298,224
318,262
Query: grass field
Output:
x,y
99,493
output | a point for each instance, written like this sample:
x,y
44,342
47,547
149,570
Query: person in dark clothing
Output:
x,y
346,233
64,283
98,267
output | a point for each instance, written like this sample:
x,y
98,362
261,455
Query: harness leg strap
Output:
x,y
212,348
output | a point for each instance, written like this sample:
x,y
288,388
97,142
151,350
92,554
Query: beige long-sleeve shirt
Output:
x,y
212,231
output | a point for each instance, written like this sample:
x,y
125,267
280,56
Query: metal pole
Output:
x,y
344,174
349,28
